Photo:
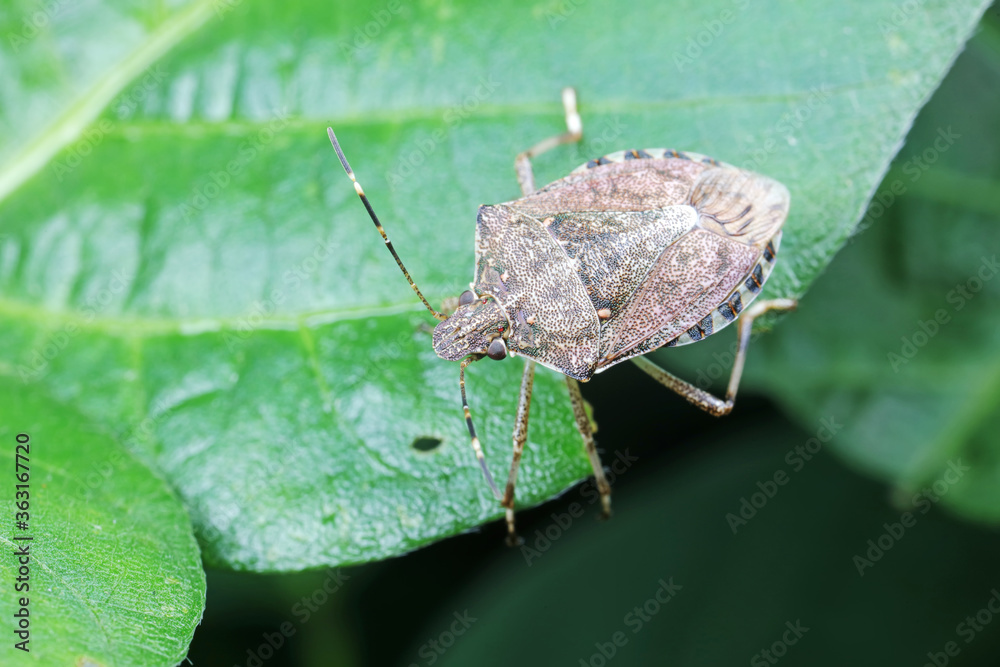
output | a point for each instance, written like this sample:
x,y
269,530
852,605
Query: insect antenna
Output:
x,y
378,225
472,429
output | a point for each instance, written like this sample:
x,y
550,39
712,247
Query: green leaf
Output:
x,y
61,91
206,269
114,575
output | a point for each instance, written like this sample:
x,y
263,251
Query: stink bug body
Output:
x,y
630,252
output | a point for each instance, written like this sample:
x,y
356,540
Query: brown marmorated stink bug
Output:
x,y
632,251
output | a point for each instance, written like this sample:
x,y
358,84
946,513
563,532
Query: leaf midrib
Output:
x,y
38,150
400,116
134,326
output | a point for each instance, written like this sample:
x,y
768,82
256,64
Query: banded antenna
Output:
x,y
378,225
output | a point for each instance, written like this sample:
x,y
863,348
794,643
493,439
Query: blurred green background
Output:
x,y
847,512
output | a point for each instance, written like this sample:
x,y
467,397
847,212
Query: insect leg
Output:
x,y
704,400
472,429
520,436
583,425
574,132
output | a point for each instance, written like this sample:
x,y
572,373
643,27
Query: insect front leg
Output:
x,y
704,400
583,425
476,446
520,436
574,132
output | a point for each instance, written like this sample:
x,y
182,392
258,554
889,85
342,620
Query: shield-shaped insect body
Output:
x,y
631,252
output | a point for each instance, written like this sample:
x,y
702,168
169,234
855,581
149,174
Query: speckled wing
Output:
x,y
732,202
530,275
615,220
739,212
691,278
631,185
613,251
658,239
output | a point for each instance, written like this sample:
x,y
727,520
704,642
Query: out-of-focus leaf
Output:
x,y
772,556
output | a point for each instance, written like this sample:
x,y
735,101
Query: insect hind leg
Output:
x,y
574,132
476,446
704,400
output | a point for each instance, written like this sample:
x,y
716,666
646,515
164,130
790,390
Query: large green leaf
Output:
x,y
113,572
206,268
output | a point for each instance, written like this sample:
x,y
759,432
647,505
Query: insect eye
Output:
x,y
466,298
497,349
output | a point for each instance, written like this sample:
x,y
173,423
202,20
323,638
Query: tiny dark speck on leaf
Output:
x,y
426,444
